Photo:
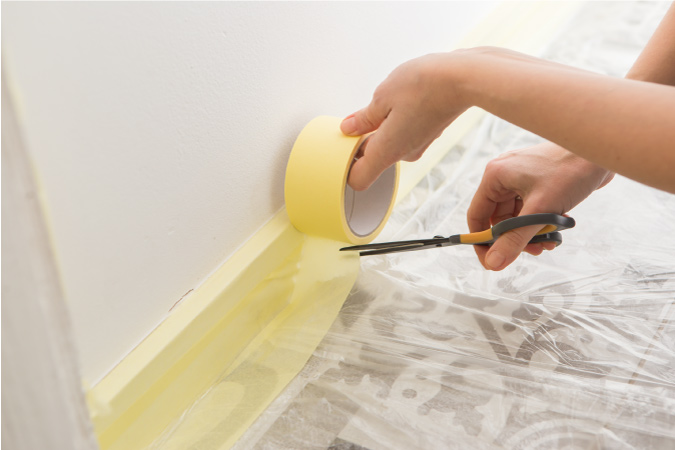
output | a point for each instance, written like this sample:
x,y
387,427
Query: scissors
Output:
x,y
552,223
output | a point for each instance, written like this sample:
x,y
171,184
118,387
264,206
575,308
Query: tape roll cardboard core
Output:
x,y
366,210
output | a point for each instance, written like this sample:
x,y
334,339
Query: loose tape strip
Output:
x,y
297,303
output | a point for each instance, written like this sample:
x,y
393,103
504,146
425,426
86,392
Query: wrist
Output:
x,y
463,74
485,76
589,169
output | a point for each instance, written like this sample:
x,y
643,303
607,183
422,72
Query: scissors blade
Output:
x,y
384,245
399,246
399,249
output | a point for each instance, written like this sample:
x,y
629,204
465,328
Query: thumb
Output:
x,y
363,121
509,245
378,154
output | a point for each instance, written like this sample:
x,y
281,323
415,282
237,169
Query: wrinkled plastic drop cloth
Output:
x,y
571,349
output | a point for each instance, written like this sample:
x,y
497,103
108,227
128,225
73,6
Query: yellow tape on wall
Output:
x,y
302,296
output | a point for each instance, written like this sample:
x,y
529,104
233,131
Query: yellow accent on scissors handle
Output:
x,y
479,237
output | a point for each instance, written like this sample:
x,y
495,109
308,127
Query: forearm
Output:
x,y
656,63
623,125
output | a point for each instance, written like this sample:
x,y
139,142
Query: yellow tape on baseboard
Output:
x,y
313,283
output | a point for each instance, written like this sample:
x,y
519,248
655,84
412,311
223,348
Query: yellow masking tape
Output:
x,y
278,324
319,201
309,288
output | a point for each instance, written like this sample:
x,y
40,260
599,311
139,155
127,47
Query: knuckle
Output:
x,y
539,204
501,217
359,185
380,98
514,240
494,169
493,165
414,156
488,50
380,92
365,120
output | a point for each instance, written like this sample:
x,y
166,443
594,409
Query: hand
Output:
x,y
545,178
411,108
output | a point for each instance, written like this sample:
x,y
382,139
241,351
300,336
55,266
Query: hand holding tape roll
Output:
x,y
319,201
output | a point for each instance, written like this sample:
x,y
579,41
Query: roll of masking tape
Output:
x,y
318,200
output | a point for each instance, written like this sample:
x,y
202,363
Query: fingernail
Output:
x,y
348,125
494,260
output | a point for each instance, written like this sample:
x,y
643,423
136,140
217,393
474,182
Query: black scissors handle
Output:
x,y
552,224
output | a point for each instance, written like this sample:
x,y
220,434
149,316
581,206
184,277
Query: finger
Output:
x,y
380,152
365,120
366,169
549,245
534,249
481,252
479,220
478,216
504,210
538,249
518,206
481,209
509,245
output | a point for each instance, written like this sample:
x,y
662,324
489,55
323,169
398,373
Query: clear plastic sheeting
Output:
x,y
571,349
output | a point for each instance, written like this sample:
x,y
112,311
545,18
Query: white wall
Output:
x,y
43,401
160,131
